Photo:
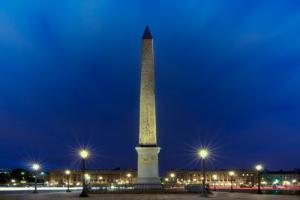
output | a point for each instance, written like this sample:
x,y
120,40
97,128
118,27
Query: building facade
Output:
x,y
240,178
93,177
181,178
213,177
283,178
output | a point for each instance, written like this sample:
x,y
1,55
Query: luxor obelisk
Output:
x,y
148,175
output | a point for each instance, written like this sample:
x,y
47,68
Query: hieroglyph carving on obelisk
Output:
x,y
148,175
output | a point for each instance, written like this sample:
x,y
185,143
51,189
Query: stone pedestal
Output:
x,y
148,176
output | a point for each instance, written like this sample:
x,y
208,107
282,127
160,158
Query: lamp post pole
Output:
x,y
68,172
68,190
173,182
203,154
215,187
35,167
231,186
231,174
83,192
129,178
84,154
35,182
259,182
259,169
215,177
203,175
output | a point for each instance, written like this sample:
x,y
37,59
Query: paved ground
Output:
x,y
74,195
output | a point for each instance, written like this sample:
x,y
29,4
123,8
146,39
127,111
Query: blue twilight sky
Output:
x,y
227,76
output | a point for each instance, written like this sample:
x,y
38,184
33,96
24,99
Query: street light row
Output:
x,y
84,154
204,153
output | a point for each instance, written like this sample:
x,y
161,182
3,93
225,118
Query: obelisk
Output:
x,y
148,175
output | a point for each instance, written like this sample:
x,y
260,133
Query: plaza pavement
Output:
x,y
74,195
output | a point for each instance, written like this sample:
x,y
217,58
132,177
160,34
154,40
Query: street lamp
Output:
x,y
35,167
215,177
100,178
294,181
84,155
259,168
68,173
13,182
231,174
172,176
129,177
203,154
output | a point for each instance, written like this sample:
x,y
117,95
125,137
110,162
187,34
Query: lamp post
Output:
x,y
203,154
231,174
215,177
83,154
259,169
166,180
42,177
294,181
129,177
35,168
172,176
68,173
100,178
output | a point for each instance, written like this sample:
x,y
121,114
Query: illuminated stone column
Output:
x,y
147,131
148,173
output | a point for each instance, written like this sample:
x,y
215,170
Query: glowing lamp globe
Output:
x,y
259,167
231,173
215,177
36,166
203,153
67,172
84,153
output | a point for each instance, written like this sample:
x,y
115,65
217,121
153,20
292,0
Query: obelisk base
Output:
x,y
148,176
